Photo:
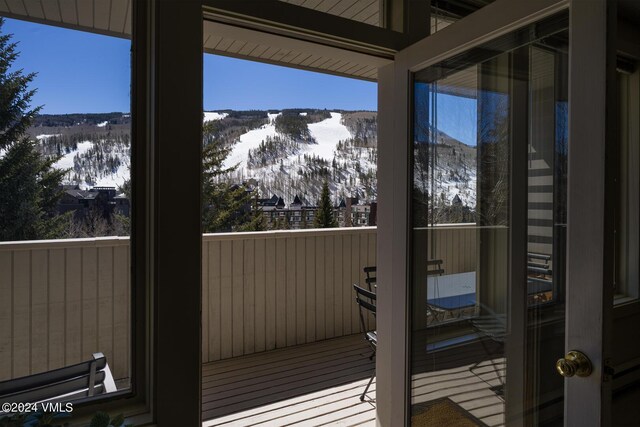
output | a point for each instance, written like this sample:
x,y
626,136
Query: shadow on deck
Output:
x,y
320,384
310,384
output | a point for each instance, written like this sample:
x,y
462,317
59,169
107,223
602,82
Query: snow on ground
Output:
x,y
111,180
272,116
467,193
103,124
465,189
116,179
210,116
45,136
66,162
250,141
327,133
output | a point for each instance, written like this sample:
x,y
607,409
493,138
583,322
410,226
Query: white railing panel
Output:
x,y
63,300
275,289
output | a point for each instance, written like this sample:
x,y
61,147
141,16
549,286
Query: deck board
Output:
x,y
320,384
235,390
294,405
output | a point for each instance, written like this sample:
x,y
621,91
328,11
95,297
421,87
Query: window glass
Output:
x,y
489,133
627,233
65,187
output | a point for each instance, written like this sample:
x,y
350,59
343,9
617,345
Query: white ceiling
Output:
x,y
367,11
111,17
233,41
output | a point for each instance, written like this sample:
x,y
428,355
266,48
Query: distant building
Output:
x,y
300,214
340,213
351,212
273,211
104,200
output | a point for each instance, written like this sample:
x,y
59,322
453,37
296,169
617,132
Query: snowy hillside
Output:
x,y
454,170
98,161
327,134
212,116
342,149
288,153
303,164
250,141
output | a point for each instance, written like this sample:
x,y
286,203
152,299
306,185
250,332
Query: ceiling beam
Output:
x,y
283,18
285,43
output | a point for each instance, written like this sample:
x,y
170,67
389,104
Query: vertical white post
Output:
x,y
393,253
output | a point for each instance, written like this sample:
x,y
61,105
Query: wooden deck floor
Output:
x,y
311,385
320,384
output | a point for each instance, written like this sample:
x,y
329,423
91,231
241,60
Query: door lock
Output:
x,y
574,363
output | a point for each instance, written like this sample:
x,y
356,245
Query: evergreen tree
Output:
x,y
126,188
324,217
225,205
257,221
29,185
284,223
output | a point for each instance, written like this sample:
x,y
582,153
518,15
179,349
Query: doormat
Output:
x,y
442,413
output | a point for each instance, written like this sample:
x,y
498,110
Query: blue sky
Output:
x,y
83,72
242,85
457,116
77,72
80,72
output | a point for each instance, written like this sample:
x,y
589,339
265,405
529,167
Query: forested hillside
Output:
x,y
287,153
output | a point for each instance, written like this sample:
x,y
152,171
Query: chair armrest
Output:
x,y
108,383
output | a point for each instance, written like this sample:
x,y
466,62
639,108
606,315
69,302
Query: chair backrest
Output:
x,y
538,264
366,301
370,280
434,267
80,380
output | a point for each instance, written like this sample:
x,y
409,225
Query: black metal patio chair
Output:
x,y
370,280
367,304
491,326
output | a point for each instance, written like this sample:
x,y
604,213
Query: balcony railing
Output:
x,y
62,300
275,289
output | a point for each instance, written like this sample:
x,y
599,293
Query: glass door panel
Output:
x,y
488,183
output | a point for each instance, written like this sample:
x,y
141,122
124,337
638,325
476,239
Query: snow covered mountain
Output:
x,y
288,153
94,148
342,148
446,169
279,163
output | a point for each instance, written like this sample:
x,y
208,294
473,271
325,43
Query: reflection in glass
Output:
x,y
446,12
65,185
473,114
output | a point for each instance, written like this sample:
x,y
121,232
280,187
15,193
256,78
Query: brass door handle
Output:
x,y
574,363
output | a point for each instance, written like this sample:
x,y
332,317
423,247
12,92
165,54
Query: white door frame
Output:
x,y
592,121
